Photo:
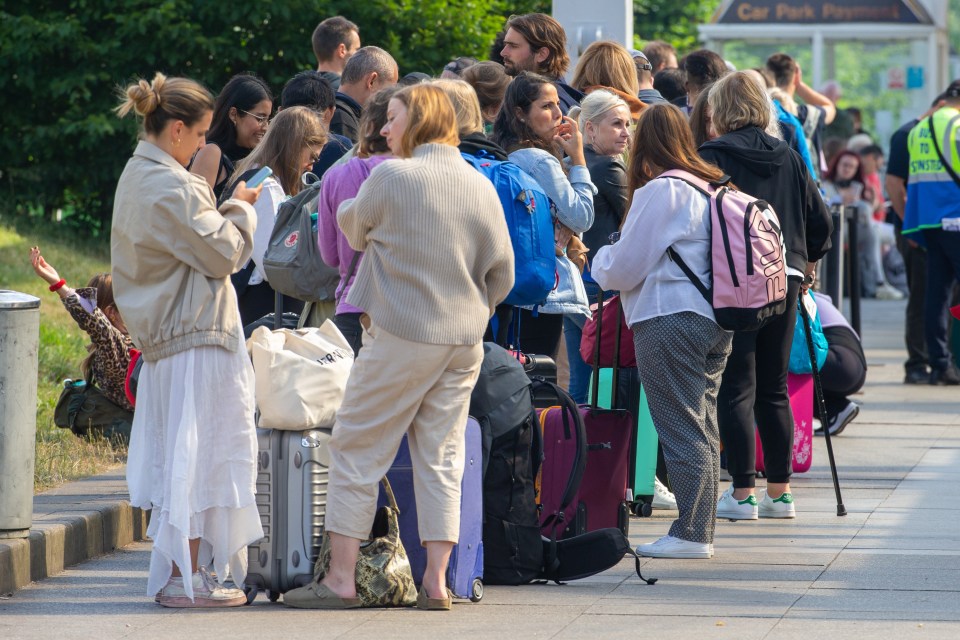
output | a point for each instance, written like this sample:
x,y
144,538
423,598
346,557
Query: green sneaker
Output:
x,y
729,508
781,507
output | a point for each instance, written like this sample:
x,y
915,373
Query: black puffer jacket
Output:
x,y
474,143
768,168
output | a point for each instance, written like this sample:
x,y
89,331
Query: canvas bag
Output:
x,y
300,375
748,279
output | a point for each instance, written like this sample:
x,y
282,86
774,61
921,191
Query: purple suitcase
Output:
x,y
465,573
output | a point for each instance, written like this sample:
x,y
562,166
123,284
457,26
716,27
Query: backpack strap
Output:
x,y
707,189
936,145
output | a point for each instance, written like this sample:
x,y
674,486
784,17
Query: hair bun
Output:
x,y
144,96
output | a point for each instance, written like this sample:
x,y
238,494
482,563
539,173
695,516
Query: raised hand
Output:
x,y
42,268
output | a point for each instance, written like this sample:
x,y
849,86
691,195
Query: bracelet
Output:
x,y
57,286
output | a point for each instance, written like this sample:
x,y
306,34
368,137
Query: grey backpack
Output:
x,y
292,261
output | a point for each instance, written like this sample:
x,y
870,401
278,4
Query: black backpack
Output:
x,y
503,405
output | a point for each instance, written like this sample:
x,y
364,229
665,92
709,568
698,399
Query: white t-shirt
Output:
x,y
266,207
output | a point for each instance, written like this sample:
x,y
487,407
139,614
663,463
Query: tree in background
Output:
x,y
61,62
673,21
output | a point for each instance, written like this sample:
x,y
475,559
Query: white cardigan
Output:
x,y
665,212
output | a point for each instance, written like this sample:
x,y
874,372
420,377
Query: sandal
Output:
x,y
318,596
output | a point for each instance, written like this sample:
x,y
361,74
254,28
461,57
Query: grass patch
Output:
x,y
60,455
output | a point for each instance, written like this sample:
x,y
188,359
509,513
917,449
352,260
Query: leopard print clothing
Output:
x,y
111,348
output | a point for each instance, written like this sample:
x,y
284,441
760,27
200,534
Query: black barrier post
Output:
x,y
853,251
833,280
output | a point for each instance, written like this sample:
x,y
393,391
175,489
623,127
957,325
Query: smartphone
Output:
x,y
259,177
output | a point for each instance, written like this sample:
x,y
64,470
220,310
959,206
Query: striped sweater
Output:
x,y
438,257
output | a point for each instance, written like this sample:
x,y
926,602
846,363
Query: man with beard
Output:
x,y
536,42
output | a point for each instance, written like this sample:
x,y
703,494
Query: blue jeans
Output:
x,y
943,269
572,333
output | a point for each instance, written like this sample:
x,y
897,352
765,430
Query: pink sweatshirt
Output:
x,y
339,184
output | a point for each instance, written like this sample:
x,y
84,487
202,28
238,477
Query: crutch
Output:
x,y
821,405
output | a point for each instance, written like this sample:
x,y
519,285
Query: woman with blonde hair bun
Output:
x,y
429,280
193,444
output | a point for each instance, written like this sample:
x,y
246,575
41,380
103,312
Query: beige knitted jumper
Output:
x,y
437,254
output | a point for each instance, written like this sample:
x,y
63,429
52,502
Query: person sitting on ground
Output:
x,y
240,120
309,89
334,41
423,343
681,351
490,81
844,371
95,312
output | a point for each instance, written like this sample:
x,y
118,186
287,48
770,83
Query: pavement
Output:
x,y
889,569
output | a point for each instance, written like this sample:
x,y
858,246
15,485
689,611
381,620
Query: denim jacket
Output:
x,y
572,197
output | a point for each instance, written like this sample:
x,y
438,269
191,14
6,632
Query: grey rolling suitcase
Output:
x,y
292,471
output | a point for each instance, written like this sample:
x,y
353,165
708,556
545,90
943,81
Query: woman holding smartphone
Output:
x,y
192,456
535,133
289,148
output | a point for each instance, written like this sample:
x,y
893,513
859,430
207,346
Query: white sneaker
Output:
x,y
781,507
662,497
886,292
670,547
729,508
206,593
839,422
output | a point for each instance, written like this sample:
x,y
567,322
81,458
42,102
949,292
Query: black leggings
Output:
x,y
350,327
754,387
844,371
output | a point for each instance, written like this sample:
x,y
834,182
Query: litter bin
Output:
x,y
19,344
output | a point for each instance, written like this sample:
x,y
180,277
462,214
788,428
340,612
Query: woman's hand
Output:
x,y
809,277
41,267
561,236
570,140
241,192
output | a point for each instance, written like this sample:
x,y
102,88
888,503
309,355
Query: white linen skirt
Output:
x,y
192,460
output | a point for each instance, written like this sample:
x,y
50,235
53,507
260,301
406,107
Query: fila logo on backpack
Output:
x,y
748,260
530,221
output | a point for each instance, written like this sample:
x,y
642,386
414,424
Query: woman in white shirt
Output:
x,y
681,351
290,147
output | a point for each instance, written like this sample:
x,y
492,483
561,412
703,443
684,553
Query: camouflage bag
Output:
x,y
384,577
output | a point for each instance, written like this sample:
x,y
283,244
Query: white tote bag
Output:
x,y
300,375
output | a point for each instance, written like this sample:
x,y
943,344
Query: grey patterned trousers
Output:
x,y
680,358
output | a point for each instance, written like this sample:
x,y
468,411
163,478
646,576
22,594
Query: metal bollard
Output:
x,y
833,280
851,215
19,345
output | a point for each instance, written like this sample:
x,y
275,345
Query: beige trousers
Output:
x,y
401,387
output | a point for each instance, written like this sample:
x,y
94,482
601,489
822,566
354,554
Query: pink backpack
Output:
x,y
749,272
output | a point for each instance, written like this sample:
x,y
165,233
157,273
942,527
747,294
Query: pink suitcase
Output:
x,y
800,388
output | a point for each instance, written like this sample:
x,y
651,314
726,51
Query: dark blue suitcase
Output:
x,y
465,573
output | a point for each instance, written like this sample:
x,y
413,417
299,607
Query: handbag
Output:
x,y
299,375
568,296
799,356
384,577
609,322
83,408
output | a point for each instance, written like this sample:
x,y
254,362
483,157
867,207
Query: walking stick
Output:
x,y
821,405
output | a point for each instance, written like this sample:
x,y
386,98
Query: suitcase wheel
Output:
x,y
642,509
476,591
251,593
273,596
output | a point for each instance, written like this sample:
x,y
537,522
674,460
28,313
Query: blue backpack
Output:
x,y
530,220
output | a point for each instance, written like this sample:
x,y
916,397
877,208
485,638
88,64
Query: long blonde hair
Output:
x,y
290,132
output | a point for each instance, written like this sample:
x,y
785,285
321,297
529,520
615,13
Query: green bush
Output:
x,y
61,62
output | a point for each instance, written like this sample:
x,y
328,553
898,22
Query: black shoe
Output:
x,y
917,376
837,423
942,377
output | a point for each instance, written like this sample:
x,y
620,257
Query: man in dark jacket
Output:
x,y
366,72
536,42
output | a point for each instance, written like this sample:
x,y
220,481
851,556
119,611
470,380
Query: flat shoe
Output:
x,y
433,604
318,596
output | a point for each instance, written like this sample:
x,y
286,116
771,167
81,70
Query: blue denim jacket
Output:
x,y
572,196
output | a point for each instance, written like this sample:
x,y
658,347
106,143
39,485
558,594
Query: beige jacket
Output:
x,y
172,254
